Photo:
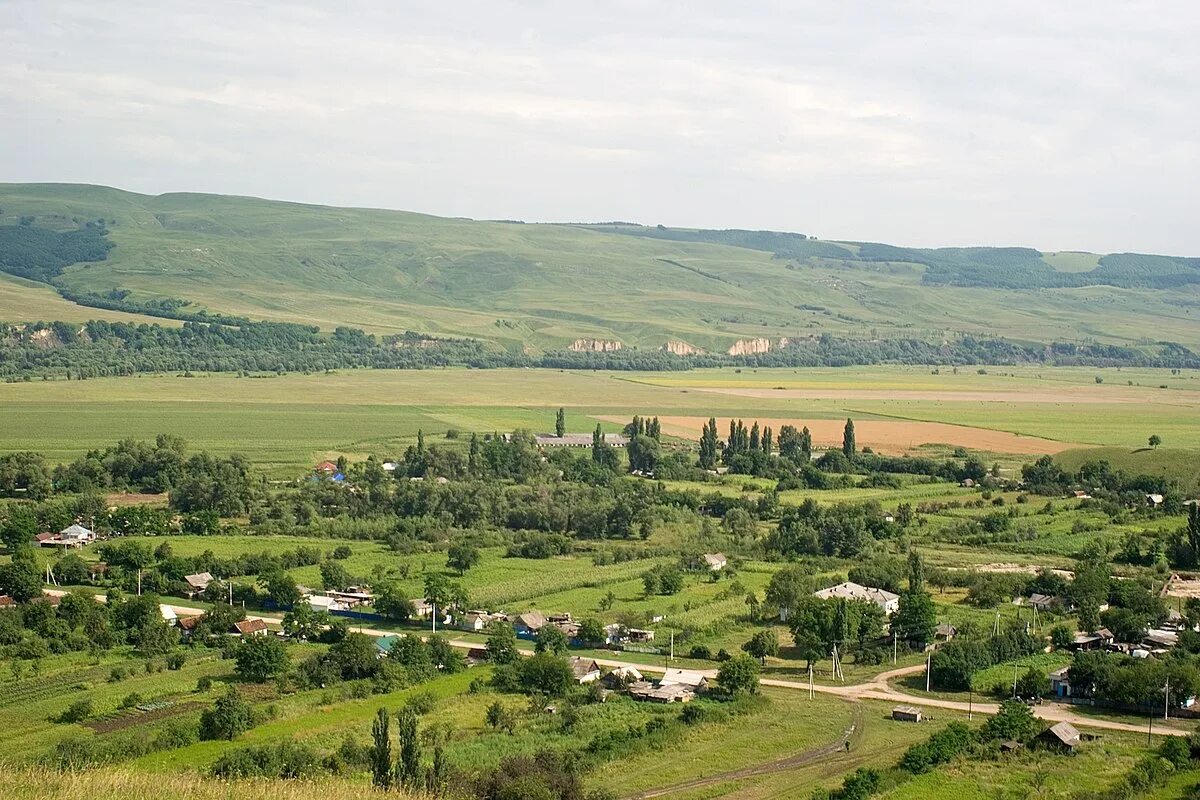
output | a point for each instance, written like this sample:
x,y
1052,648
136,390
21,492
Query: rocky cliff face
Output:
x,y
595,346
749,347
681,348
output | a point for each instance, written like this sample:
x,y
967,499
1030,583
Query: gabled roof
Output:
x,y
1065,732
683,677
75,530
531,620
856,591
200,580
248,626
582,667
715,559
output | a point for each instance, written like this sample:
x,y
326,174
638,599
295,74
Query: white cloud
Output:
x,y
934,122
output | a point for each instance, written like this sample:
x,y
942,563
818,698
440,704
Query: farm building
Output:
x,y
715,561
1062,736
906,714
945,632
693,679
668,693
579,440
888,601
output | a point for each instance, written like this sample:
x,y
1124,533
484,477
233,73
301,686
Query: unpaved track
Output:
x,y
786,764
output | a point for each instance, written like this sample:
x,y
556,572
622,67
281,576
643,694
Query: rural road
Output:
x,y
878,688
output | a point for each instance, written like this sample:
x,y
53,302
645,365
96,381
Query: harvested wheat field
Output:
x,y
882,435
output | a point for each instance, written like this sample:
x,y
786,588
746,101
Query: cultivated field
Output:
x,y
290,421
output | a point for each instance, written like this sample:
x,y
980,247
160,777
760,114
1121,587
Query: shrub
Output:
x,y
131,700
76,712
284,759
176,660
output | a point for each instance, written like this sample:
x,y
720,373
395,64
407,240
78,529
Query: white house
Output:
x,y
715,561
888,601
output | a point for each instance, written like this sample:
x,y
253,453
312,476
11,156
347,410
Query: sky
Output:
x,y
1057,125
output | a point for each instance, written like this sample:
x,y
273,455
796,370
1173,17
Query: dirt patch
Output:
x,y
883,436
133,718
1182,587
1058,395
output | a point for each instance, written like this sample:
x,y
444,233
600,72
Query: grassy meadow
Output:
x,y
538,285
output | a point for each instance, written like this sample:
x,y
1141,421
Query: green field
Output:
x,y
544,286
288,422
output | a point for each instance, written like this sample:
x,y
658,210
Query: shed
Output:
x,y
906,714
1062,736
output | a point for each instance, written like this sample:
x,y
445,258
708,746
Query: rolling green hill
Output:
x,y
538,287
1176,464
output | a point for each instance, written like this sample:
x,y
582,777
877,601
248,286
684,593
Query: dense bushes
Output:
x,y
953,664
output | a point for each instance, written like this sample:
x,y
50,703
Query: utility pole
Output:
x,y
970,700
810,681
139,581
1167,699
672,646
894,648
928,668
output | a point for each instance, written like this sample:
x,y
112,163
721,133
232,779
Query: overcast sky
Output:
x,y
1050,124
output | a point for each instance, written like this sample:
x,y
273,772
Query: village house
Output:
x,y
1154,500
715,561
944,632
321,602
1060,683
585,670
888,601
168,614
620,678
71,536
1092,641
906,714
7,602
197,583
250,627
477,621
528,624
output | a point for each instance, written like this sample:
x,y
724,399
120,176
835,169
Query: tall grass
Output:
x,y
120,784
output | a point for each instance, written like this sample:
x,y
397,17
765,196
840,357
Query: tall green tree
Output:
x,y
560,423
710,445
409,773
381,750
916,619
1154,441
849,446
462,556
916,572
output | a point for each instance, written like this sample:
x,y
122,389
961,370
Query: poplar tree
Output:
x,y
560,423
381,750
848,444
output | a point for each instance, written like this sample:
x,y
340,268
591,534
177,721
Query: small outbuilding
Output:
x,y
1061,736
906,714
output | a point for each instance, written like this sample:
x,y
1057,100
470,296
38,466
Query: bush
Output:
x,y
1176,750
176,660
284,759
131,700
76,712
